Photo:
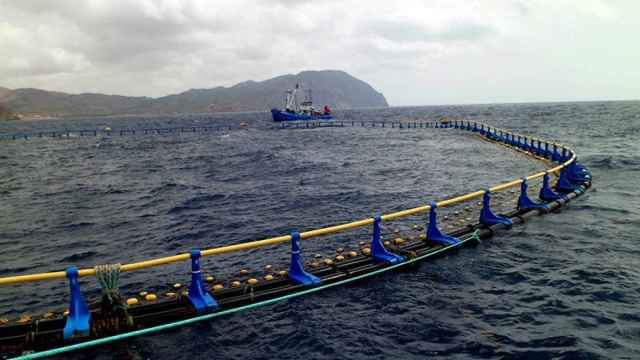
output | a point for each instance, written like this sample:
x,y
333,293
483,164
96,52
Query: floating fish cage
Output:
x,y
115,317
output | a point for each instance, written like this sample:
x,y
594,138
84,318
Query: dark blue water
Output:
x,y
563,286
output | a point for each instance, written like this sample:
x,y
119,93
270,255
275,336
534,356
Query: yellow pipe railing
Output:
x,y
286,238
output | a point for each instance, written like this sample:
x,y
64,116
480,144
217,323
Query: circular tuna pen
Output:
x,y
371,259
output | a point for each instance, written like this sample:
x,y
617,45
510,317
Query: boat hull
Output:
x,y
279,115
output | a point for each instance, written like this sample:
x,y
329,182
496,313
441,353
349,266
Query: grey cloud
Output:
x,y
402,31
145,47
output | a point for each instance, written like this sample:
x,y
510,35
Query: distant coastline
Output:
x,y
335,88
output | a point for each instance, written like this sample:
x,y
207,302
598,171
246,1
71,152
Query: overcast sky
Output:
x,y
415,52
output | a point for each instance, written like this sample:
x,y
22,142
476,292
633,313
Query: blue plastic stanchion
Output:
x,y
539,149
546,193
547,152
524,202
487,217
475,127
564,185
378,251
79,315
433,233
555,156
296,270
577,173
200,298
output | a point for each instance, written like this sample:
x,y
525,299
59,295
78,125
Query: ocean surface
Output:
x,y
561,286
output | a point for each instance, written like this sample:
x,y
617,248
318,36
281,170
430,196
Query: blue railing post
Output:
x,y
79,315
524,202
546,193
433,233
555,156
578,173
547,152
564,185
378,251
296,270
487,217
539,149
200,298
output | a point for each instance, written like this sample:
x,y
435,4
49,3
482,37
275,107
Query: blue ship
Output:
x,y
303,111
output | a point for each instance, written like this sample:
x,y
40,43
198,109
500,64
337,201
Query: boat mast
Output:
x,y
292,101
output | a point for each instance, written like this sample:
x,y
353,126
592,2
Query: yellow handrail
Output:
x,y
286,238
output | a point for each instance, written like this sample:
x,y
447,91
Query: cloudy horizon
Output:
x,y
414,52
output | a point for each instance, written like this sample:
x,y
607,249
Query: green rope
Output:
x,y
108,277
154,329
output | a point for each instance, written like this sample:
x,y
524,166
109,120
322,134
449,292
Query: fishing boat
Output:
x,y
294,111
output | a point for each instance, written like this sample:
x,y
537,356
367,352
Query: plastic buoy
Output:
x,y
398,241
244,272
217,287
339,250
132,301
24,318
339,258
328,262
268,277
317,256
170,294
268,267
4,321
236,284
209,278
282,272
353,254
423,236
65,313
177,286
252,281
366,251
143,293
47,315
387,242
151,297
